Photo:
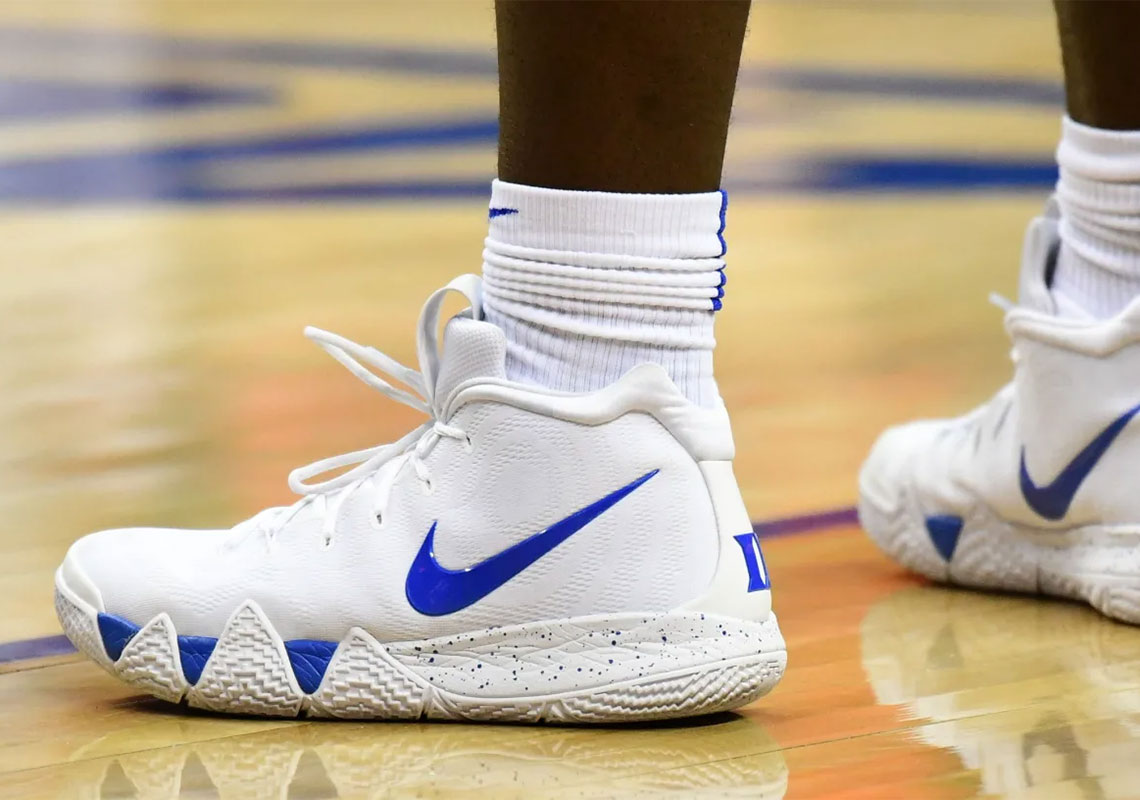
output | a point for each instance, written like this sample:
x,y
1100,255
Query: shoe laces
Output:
x,y
380,464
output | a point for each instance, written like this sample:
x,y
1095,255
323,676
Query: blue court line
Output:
x,y
177,172
27,649
26,98
45,646
808,523
481,64
907,172
349,192
388,134
321,55
911,86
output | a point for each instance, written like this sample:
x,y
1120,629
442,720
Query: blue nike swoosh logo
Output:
x,y
435,590
1053,501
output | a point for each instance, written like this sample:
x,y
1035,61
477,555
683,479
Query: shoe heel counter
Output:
x,y
740,585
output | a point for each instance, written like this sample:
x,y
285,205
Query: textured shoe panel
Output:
x,y
362,682
585,653
248,671
711,669
150,661
902,538
81,629
1097,564
705,692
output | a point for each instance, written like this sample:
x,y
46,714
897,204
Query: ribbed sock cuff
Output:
x,y
681,226
587,285
1099,198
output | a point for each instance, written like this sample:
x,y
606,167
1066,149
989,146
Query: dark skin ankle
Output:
x,y
617,95
1100,48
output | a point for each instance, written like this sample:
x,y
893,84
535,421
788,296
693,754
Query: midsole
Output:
x,y
534,660
571,655
1093,533
992,552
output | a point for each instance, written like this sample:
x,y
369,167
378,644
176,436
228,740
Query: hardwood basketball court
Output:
x,y
185,185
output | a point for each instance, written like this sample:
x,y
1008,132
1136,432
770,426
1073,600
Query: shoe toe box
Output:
x,y
893,461
133,572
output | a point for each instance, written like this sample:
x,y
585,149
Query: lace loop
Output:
x,y
421,397
367,463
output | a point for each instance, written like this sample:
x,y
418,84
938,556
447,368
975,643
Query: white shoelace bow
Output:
x,y
360,361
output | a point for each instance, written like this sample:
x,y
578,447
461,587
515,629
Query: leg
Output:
x,y
1098,271
1102,62
606,247
617,95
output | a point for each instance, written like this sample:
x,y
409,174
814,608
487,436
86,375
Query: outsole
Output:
x,y
1095,564
623,668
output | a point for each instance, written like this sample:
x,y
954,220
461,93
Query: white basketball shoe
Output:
x,y
1039,489
523,555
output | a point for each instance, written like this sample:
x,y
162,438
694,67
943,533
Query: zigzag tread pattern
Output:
x,y
150,661
362,683
995,554
702,692
81,629
247,673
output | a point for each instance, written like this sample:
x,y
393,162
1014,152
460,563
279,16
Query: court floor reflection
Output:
x,y
728,755
1042,699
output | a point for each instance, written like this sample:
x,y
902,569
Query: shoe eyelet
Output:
x,y
376,520
328,542
468,445
428,487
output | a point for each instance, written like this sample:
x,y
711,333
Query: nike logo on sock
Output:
x,y
1053,500
500,212
435,590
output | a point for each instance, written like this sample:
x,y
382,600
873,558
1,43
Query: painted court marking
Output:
x,y
184,172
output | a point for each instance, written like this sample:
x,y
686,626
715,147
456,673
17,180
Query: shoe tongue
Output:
x,y
1038,260
471,349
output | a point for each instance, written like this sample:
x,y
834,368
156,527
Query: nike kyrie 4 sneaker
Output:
x,y
525,554
1038,490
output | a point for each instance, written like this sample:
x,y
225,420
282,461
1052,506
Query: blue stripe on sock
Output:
x,y
720,231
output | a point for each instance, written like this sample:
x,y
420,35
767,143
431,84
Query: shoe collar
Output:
x,y
1041,315
1039,261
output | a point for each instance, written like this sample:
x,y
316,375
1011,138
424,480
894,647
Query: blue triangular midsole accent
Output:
x,y
194,652
944,530
115,632
310,658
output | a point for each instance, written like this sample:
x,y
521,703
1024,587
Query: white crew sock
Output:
x,y
1098,269
587,285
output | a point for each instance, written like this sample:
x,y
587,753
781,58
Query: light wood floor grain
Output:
x,y
179,197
